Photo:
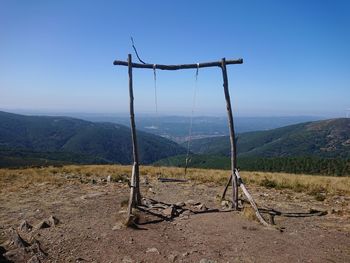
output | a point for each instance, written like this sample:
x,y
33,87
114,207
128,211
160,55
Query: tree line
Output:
x,y
297,165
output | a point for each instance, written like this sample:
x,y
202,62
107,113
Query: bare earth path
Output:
x,y
88,212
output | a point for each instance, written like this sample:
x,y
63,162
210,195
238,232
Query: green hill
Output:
x,y
326,139
28,140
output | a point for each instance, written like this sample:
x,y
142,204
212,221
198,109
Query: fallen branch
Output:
x,y
168,180
293,214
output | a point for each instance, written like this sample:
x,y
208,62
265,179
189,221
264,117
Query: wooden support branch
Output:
x,y
135,195
177,67
226,187
132,193
170,180
232,137
250,199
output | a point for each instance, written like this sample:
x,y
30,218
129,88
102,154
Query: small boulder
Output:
x,y
205,260
52,221
225,204
180,204
25,226
152,250
201,207
127,259
169,211
172,257
34,259
192,203
16,241
118,226
42,224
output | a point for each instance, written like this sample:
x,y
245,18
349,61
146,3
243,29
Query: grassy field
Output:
x,y
16,179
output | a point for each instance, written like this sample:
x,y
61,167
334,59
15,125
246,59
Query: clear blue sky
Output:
x,y
57,55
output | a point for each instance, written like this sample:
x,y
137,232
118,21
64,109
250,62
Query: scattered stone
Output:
x,y
15,255
25,226
92,195
204,260
192,202
225,204
127,259
118,226
201,207
180,204
80,259
185,254
15,240
172,257
152,250
52,220
151,190
168,211
186,214
34,259
42,224
21,250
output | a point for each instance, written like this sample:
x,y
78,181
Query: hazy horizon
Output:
x,y
47,112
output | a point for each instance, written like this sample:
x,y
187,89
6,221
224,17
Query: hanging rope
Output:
x,y
188,158
157,124
155,93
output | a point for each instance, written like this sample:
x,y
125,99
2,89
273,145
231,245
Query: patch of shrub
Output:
x,y
268,183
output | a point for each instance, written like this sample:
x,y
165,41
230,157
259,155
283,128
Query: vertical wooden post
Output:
x,y
135,195
233,177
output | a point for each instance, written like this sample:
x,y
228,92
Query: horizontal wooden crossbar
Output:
x,y
176,67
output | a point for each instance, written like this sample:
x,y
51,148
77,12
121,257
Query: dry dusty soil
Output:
x,y
90,229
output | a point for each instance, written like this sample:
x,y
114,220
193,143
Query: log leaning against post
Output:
x,y
250,199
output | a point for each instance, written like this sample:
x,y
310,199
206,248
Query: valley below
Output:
x,y
89,212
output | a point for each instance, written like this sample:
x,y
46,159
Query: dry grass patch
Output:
x,y
17,179
310,184
319,186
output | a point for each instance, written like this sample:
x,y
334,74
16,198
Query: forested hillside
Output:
x,y
40,139
327,139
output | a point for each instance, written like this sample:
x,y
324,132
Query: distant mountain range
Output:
x,y
321,147
43,140
54,140
327,139
176,128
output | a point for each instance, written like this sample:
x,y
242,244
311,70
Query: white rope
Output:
x,y
188,159
155,95
156,106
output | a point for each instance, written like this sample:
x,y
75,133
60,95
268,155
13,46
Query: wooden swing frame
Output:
x,y
234,178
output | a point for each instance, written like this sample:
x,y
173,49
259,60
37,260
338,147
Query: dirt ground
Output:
x,y
90,213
